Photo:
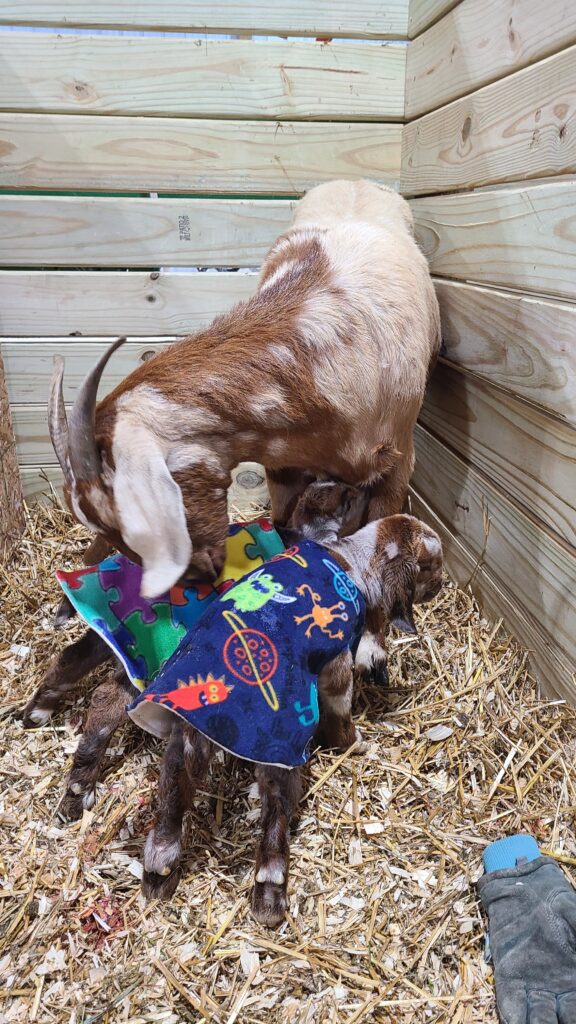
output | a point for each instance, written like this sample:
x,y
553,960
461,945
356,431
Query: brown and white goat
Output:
x,y
322,372
395,562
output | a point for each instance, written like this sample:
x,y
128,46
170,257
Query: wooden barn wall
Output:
x,y
488,162
144,145
136,159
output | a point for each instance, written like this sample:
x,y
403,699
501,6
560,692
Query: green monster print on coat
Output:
x,y
255,591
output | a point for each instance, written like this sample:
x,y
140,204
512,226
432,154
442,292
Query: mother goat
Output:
x,y
322,372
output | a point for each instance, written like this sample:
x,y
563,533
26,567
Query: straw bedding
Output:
x,y
383,925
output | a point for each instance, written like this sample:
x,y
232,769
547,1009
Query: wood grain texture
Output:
x,y
529,455
56,303
521,238
423,13
37,481
103,232
140,154
167,75
548,662
531,567
521,127
79,355
519,342
363,18
477,43
11,507
33,444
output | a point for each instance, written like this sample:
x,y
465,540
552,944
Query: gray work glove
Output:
x,y
532,914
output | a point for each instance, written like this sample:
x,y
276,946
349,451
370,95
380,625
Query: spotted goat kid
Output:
x,y
394,562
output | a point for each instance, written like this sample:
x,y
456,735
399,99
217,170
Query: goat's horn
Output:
x,y
57,422
82,450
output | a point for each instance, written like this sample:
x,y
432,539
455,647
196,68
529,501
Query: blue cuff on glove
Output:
x,y
505,853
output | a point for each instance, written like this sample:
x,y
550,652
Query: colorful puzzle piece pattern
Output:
x,y
154,645
124,577
144,633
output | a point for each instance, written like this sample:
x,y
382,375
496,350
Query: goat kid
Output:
x,y
394,562
322,372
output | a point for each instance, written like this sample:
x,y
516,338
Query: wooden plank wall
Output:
x,y
488,161
133,165
134,155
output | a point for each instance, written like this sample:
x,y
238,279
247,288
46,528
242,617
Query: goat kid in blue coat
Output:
x,y
390,564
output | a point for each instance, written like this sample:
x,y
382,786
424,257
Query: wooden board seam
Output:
x,y
484,478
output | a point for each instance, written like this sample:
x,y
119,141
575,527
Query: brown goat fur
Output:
x,y
322,372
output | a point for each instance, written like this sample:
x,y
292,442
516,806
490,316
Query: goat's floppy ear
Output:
x,y
151,514
401,582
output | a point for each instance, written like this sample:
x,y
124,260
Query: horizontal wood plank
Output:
x,y
530,566
106,74
477,43
521,238
33,444
519,342
423,13
108,232
326,18
140,154
79,355
552,669
59,302
529,455
521,127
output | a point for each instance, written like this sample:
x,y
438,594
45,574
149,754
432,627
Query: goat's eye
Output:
x,y
425,566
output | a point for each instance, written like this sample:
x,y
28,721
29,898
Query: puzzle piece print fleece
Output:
x,y
144,634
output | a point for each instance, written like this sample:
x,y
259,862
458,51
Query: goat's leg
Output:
x,y
371,660
285,486
183,768
336,730
61,682
97,550
387,497
106,713
280,791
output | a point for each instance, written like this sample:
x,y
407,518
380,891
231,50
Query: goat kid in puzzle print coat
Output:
x,y
321,373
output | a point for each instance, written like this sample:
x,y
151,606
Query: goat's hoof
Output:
x,y
269,903
76,800
161,856
362,743
370,663
379,673
160,887
34,717
64,612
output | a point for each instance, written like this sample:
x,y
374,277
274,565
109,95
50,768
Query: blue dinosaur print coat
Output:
x,y
245,674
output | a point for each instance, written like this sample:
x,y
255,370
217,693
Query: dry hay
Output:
x,y
384,923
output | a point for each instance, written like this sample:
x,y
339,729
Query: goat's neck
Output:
x,y
361,554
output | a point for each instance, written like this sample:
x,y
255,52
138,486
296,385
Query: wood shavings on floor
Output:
x,y
384,924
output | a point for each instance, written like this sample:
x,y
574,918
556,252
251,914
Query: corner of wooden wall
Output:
x,y
11,501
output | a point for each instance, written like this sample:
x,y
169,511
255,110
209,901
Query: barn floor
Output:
x,y
384,924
